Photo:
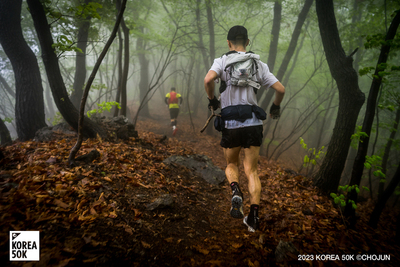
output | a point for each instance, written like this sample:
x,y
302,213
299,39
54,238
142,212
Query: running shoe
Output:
x,y
237,204
174,130
251,226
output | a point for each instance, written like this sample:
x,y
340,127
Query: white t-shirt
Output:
x,y
236,95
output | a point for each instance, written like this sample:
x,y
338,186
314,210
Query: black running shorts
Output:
x,y
244,137
173,112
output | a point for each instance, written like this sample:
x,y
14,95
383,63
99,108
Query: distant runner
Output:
x,y
172,99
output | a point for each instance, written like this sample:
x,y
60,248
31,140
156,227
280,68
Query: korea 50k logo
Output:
x,y
24,246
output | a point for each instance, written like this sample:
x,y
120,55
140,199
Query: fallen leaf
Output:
x,y
237,245
146,245
61,204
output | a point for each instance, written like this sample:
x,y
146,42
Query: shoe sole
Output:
x,y
174,131
251,229
237,207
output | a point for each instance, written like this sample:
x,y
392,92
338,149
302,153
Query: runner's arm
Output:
x,y
279,92
209,83
166,100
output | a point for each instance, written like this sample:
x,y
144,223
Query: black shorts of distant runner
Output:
x,y
242,137
173,112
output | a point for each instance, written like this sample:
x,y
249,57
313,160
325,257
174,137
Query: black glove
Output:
x,y
275,111
214,103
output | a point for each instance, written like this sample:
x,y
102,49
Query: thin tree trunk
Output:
x,y
29,103
296,56
350,99
380,205
144,74
273,46
289,53
125,72
50,60
358,166
4,134
388,146
80,61
118,96
6,86
75,149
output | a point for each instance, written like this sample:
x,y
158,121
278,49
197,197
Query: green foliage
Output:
x,y
56,119
366,70
64,44
85,11
99,86
312,155
388,107
102,107
267,140
9,120
341,198
397,190
357,137
375,162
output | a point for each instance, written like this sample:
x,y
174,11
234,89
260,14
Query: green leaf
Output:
x,y
354,206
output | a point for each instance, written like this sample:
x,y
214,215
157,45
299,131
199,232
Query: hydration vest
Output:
x,y
172,98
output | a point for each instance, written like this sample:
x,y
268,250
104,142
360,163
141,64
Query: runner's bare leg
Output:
x,y
250,164
232,161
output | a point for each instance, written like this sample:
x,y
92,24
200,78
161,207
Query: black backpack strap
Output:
x,y
222,87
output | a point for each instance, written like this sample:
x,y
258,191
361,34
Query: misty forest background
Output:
x,y
340,113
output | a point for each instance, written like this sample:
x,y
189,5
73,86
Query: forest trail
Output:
x,y
96,214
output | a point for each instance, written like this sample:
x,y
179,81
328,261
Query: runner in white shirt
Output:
x,y
241,125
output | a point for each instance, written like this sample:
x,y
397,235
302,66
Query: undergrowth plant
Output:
x,y
310,159
102,107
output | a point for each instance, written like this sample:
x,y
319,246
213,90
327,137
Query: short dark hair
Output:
x,y
239,41
237,35
173,89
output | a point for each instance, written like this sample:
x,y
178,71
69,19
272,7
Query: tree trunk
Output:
x,y
202,48
118,96
350,99
4,134
50,60
273,46
289,53
296,56
6,85
80,61
276,27
388,146
358,166
380,205
75,149
125,72
210,21
29,104
144,74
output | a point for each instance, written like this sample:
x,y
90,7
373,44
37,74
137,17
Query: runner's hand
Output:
x,y
275,111
213,103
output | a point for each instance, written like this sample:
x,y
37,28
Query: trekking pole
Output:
x,y
209,119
